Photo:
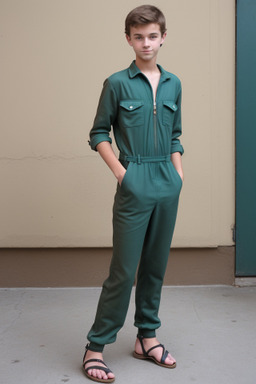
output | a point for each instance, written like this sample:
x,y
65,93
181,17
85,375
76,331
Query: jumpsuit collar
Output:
x,y
134,71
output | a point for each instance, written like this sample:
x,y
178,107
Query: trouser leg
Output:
x,y
129,232
153,264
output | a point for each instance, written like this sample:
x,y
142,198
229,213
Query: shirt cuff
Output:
x,y
96,140
177,148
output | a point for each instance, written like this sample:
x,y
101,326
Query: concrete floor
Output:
x,y
211,330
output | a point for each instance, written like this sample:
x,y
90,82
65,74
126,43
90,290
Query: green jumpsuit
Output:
x,y
145,205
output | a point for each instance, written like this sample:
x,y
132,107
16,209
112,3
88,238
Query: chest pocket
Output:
x,y
169,109
131,113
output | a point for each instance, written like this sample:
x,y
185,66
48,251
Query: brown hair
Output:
x,y
145,14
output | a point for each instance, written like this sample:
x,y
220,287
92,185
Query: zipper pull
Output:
x,y
154,108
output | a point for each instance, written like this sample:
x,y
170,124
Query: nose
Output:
x,y
146,42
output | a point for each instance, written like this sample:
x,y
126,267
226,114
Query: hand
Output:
x,y
176,160
121,176
181,175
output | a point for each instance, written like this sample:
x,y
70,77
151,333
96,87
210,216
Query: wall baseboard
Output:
x,y
88,267
245,281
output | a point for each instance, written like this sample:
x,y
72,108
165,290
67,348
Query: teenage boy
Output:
x,y
143,105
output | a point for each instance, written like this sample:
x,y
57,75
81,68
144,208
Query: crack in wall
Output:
x,y
41,158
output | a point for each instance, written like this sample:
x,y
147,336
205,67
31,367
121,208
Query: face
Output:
x,y
146,40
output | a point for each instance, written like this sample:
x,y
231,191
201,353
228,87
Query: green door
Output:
x,y
246,139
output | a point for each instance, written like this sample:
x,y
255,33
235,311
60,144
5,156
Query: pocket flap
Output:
x,y
171,105
131,105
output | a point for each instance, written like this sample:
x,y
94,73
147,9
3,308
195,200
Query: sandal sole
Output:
x,y
96,379
142,357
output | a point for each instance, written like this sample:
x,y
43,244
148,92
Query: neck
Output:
x,y
147,66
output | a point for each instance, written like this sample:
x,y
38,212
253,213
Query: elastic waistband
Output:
x,y
145,159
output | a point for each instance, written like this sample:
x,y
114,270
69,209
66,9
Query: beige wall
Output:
x,y
55,55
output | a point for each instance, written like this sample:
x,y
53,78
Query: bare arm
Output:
x,y
106,152
176,160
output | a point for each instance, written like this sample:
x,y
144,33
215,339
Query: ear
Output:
x,y
163,38
128,40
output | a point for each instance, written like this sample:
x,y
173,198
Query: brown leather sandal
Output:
x,y
146,356
104,369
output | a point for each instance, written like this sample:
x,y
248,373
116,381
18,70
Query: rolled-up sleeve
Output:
x,y
176,132
105,116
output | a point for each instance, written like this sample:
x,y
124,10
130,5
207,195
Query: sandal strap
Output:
x,y
99,367
155,346
86,349
165,353
145,353
91,360
142,345
94,361
105,369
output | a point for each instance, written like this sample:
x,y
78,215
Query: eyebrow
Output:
x,y
152,33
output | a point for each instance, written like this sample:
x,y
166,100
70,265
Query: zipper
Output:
x,y
155,125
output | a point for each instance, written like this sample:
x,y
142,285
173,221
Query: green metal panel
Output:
x,y
246,139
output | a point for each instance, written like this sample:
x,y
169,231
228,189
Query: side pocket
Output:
x,y
177,174
125,177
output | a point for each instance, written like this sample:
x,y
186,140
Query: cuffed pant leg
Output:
x,y
129,234
153,265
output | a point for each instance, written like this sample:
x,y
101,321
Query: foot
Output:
x,y
156,352
96,373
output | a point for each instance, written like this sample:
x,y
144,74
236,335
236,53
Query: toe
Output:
x,y
94,373
100,374
110,375
170,360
